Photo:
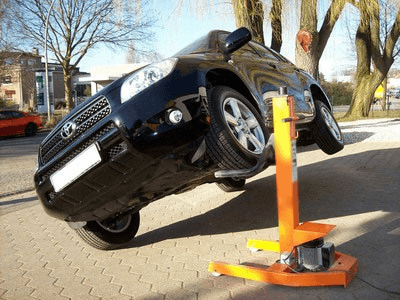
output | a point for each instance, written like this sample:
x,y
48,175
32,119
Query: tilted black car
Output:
x,y
167,128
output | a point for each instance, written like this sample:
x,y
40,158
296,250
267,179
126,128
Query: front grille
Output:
x,y
85,119
78,150
117,149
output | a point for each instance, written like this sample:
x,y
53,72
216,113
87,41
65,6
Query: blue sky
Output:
x,y
175,29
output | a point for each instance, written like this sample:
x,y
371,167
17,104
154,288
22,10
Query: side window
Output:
x,y
17,114
246,50
7,115
2,116
264,52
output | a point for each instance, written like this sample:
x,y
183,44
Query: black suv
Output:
x,y
167,128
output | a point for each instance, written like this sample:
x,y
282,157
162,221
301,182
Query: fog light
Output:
x,y
174,116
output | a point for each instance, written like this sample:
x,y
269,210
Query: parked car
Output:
x,y
13,122
167,128
395,93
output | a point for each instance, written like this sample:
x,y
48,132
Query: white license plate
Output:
x,y
75,168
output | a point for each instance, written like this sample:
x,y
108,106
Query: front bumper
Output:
x,y
141,159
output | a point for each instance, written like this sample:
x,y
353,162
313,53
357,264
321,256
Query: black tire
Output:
x,y
327,133
237,134
110,233
30,129
231,185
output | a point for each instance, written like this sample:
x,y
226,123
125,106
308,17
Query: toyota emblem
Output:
x,y
68,130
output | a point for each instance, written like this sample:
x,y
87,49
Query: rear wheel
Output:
x,y
327,133
237,134
111,232
231,184
30,129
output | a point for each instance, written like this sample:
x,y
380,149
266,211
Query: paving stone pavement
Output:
x,y
356,189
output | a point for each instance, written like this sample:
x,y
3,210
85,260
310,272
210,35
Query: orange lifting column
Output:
x,y
291,233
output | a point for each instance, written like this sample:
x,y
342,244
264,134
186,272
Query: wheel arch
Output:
x,y
227,78
31,123
318,94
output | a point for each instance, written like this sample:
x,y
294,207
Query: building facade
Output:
x,y
23,84
17,77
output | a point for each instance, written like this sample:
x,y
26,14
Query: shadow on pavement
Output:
x,y
337,187
18,201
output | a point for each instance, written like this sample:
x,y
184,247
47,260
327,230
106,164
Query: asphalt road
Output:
x,y
394,105
18,156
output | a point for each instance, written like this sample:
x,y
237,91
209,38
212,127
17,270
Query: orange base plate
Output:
x,y
340,273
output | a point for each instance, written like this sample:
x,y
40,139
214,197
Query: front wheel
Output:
x,y
112,232
237,134
327,133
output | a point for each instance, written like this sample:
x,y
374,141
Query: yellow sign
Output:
x,y
379,92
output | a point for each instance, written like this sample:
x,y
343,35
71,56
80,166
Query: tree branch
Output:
x,y
331,17
392,40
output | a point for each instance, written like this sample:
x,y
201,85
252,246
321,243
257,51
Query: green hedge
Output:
x,y
5,103
339,92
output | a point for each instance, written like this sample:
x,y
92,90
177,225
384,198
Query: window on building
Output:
x,y
8,61
31,62
40,98
7,80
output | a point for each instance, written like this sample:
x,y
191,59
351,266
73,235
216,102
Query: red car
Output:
x,y
14,122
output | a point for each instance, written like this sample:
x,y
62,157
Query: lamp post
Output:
x,y
46,62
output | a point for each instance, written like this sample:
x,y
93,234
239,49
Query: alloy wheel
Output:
x,y
117,224
331,123
243,125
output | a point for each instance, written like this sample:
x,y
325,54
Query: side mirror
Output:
x,y
237,39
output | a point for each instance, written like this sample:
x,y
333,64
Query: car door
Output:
x,y
11,122
7,123
258,75
3,123
292,77
19,121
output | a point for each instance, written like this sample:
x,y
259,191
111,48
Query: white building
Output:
x,y
102,76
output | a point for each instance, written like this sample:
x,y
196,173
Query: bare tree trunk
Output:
x,y
384,96
276,25
250,14
307,38
68,89
368,51
363,96
311,43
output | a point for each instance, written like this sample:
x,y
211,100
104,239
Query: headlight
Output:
x,y
145,77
